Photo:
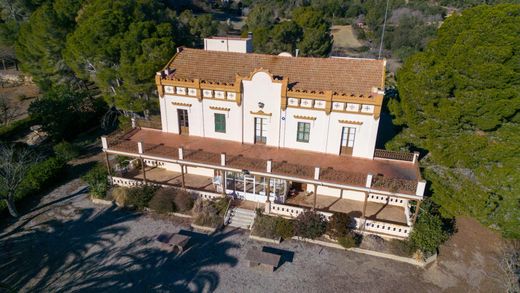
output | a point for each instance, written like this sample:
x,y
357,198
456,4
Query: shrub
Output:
x,y
338,226
400,247
97,180
428,234
351,239
120,195
183,200
284,227
265,226
65,151
310,224
163,201
210,213
139,197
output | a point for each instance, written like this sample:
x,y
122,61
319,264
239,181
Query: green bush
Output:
x,y
15,128
97,181
40,176
351,239
284,227
66,151
163,201
265,226
139,197
310,224
428,233
338,226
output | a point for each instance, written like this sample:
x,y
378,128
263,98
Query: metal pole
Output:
x,y
383,33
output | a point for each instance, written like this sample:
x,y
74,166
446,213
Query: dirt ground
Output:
x,y
344,37
30,90
66,243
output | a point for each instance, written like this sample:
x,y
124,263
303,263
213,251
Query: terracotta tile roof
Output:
x,y
342,75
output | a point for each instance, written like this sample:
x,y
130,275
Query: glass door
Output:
x,y
348,137
184,125
260,130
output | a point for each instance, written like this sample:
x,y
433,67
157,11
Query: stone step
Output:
x,y
241,218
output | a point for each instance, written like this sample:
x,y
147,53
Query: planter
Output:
x,y
408,260
268,240
101,201
203,228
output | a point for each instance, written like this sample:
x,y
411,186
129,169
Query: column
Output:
x,y
144,169
315,195
107,161
268,188
223,182
182,177
416,213
365,205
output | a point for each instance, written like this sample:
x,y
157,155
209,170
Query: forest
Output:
x,y
458,100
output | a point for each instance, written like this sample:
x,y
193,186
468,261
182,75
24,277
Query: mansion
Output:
x,y
281,133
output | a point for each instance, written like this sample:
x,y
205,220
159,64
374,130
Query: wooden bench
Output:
x,y
263,259
171,241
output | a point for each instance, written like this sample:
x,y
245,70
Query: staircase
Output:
x,y
241,218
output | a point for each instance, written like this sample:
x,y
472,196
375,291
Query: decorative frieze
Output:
x,y
181,104
367,109
306,103
181,91
350,122
192,92
351,107
338,106
293,102
220,95
304,117
207,93
261,113
169,89
231,96
219,108
319,104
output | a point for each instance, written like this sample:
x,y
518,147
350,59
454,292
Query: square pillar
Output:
x,y
181,154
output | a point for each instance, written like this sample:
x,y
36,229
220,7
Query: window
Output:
x,y
220,123
304,130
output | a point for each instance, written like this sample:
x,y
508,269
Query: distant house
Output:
x,y
284,133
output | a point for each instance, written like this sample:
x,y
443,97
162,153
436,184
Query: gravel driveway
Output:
x,y
67,244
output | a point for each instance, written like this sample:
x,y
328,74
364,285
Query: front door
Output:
x,y
184,125
260,130
348,136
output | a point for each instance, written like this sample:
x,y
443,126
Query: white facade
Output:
x,y
261,98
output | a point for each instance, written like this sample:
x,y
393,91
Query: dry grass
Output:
x,y
344,37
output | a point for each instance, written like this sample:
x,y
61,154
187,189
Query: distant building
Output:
x,y
286,133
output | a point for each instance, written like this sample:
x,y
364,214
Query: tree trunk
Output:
x,y
11,207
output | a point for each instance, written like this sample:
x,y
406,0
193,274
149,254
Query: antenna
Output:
x,y
383,33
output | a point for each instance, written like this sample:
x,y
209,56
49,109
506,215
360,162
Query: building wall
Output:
x,y
325,132
233,119
261,89
241,45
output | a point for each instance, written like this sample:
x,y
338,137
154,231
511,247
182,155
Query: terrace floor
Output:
x,y
374,211
163,176
391,169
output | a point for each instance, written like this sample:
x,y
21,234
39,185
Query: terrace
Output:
x,y
389,175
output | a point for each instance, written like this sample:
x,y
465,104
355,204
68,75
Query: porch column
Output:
x,y
268,188
140,150
269,169
416,213
223,175
107,161
315,195
365,206
182,177
144,169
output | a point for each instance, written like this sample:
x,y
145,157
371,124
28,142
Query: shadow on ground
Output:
x,y
90,253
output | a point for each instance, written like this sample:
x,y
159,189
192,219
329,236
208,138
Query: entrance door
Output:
x,y
348,136
184,125
260,130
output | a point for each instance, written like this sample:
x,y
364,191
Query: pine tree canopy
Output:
x,y
459,100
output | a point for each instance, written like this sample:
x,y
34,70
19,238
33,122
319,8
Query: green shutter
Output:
x,y
220,123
